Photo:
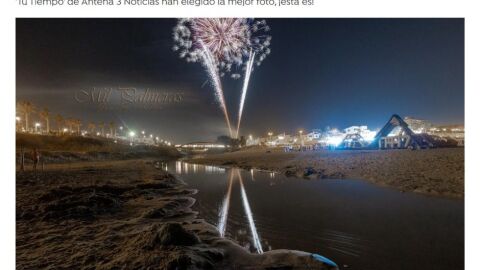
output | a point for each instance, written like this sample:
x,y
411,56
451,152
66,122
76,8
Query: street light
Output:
x,y
270,134
301,137
131,134
17,125
37,125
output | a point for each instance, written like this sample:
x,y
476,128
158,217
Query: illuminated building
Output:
x,y
417,125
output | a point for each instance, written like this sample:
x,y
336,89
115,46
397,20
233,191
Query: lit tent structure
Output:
x,y
406,138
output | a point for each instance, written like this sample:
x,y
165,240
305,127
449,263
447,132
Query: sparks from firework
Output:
x,y
246,80
227,42
225,38
253,229
222,223
217,84
230,41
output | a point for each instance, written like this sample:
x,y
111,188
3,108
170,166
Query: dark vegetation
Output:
x,y
71,148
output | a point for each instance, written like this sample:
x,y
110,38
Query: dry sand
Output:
x,y
125,214
437,172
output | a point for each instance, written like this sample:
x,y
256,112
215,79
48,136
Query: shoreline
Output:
x,y
435,172
125,213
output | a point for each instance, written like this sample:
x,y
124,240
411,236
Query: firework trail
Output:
x,y
248,72
223,45
256,239
217,84
222,223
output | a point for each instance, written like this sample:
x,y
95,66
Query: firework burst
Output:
x,y
224,45
230,41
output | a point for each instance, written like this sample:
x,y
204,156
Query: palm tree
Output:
x,y
70,123
112,129
78,124
59,120
102,127
26,107
91,127
45,114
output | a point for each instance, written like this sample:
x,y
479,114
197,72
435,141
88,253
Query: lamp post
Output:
x,y
17,123
301,136
132,135
37,126
270,134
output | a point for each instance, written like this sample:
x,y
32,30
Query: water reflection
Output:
x,y
186,168
355,223
222,223
248,212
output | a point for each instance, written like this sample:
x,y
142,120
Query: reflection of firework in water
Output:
x,y
223,45
246,205
223,214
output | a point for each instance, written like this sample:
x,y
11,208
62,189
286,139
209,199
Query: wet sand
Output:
x,y
125,214
438,172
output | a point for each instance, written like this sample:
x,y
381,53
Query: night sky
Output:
x,y
321,72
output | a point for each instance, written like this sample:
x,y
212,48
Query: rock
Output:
x,y
175,234
80,203
181,262
170,234
290,173
335,175
309,171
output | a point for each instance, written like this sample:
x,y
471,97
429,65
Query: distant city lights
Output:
x,y
334,141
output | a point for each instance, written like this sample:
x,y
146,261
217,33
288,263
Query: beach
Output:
x,y
437,172
125,214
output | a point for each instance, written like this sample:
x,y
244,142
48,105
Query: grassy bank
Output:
x,y
68,148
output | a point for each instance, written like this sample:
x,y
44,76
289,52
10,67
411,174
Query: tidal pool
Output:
x,y
356,224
